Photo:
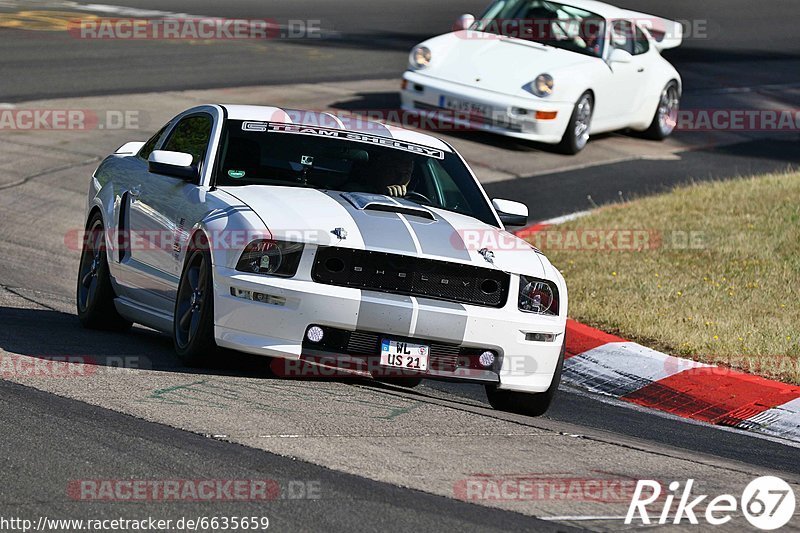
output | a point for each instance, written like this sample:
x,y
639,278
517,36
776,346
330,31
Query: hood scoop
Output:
x,y
379,202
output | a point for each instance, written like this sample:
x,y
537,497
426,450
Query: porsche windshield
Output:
x,y
263,153
550,23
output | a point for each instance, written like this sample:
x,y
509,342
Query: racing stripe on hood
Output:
x,y
380,230
438,237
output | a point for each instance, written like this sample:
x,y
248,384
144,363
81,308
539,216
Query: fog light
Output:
x,y
486,359
315,334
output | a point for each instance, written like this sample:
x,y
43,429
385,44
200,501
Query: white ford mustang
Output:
x,y
303,236
549,71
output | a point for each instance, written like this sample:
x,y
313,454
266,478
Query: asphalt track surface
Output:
x,y
50,440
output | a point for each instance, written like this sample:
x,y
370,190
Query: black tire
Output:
x,y
531,404
94,294
193,322
665,117
575,136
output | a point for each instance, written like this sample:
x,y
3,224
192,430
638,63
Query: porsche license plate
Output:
x,y
402,354
466,107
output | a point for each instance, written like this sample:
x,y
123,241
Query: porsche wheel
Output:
x,y
193,324
531,404
666,117
94,293
577,134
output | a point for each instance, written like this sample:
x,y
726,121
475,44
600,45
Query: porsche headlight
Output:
x,y
420,57
542,86
538,296
276,258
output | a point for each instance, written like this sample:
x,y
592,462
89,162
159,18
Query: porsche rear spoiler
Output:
x,y
666,33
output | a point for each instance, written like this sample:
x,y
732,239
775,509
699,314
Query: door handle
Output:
x,y
640,69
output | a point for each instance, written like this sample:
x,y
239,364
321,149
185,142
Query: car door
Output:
x,y
620,96
173,204
137,231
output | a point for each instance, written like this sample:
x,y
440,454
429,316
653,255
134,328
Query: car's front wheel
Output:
x,y
531,404
577,133
193,324
666,116
94,294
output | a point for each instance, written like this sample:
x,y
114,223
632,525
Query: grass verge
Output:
x,y
709,271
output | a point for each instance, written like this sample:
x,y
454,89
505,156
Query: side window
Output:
x,y
641,45
191,136
622,35
444,187
150,145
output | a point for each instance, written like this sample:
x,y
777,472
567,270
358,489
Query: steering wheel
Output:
x,y
418,195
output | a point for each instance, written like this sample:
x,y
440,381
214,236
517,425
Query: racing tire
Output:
x,y
94,294
193,322
524,403
666,116
576,136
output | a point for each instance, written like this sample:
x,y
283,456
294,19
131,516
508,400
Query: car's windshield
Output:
x,y
263,153
551,23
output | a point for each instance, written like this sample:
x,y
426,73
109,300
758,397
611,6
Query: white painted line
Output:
x,y
580,517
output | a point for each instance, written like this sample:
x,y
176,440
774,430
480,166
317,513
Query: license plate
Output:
x,y
401,354
468,107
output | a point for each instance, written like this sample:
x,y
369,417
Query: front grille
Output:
x,y
413,276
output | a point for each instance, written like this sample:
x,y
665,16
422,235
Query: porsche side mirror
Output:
x,y
176,164
463,22
511,213
618,55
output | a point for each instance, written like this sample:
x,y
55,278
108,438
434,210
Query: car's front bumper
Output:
x,y
513,116
276,325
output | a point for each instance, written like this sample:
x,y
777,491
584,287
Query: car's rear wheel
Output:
x,y
94,293
193,324
576,135
666,116
531,404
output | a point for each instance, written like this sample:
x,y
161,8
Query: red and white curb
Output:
x,y
609,365
606,364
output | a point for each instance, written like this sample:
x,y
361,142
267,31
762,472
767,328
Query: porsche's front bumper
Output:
x,y
276,325
512,116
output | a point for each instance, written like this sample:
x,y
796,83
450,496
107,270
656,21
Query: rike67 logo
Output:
x,y
767,502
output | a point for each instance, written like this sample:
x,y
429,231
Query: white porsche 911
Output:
x,y
304,236
547,71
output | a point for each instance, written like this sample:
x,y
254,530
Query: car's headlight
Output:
x,y
538,296
420,57
542,86
276,258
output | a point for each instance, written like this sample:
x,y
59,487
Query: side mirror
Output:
x,y
618,55
464,22
129,148
176,164
511,213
